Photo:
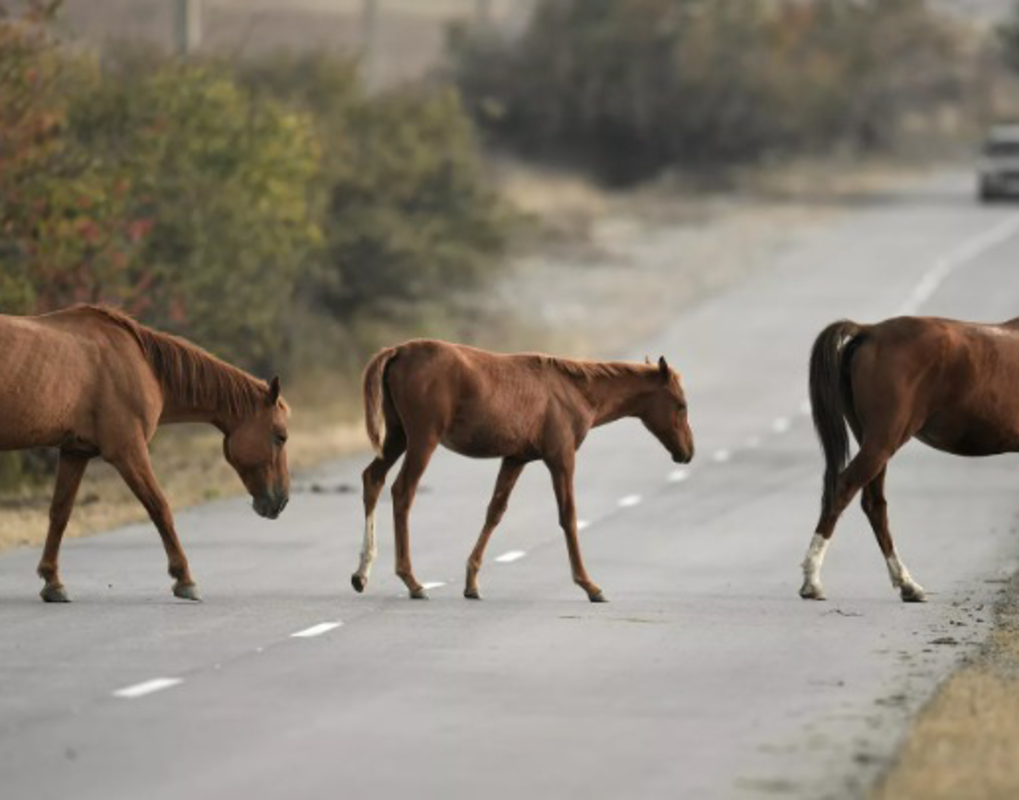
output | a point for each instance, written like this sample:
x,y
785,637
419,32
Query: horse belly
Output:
x,y
974,434
481,443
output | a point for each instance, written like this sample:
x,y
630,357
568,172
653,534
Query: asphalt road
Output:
x,y
705,676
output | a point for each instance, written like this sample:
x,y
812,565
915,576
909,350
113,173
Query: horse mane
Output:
x,y
188,374
576,368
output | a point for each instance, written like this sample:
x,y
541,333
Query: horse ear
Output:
x,y
647,360
663,368
274,390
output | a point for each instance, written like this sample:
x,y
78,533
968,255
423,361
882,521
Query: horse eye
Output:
x,y
280,438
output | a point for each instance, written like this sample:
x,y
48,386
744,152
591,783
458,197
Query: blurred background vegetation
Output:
x,y
291,205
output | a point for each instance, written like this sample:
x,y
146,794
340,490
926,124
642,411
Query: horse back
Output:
x,y
63,375
478,403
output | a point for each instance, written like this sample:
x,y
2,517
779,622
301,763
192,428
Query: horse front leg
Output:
x,y
509,471
70,470
562,483
136,470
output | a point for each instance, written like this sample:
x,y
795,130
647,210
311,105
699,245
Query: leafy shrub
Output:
x,y
632,86
408,213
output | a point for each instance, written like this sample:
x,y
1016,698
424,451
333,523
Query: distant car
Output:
x,y
999,163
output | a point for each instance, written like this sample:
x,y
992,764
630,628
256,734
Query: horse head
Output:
x,y
256,449
665,414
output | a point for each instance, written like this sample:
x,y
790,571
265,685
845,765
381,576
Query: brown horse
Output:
x,y
520,408
93,382
952,385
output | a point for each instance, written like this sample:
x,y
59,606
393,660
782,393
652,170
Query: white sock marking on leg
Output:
x,y
368,547
814,559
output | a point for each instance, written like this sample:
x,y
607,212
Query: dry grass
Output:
x,y
965,742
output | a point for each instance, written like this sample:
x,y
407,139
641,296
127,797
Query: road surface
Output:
x,y
705,676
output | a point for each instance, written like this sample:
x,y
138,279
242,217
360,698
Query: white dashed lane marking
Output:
x,y
582,524
678,475
630,500
721,456
146,687
511,556
316,630
433,584
781,425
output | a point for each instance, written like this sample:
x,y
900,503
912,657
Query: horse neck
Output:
x,y
197,387
617,394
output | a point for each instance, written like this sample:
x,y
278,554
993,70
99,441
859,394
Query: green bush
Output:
x,y
631,86
408,214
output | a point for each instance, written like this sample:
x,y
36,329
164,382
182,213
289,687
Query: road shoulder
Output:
x,y
964,742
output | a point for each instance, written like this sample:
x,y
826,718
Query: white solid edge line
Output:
x,y
965,252
146,687
630,500
510,557
316,630
678,475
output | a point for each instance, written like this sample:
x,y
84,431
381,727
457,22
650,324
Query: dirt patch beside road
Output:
x,y
965,742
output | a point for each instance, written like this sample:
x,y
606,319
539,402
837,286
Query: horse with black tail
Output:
x,y
952,385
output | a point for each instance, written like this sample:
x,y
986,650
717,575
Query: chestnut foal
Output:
x,y
93,382
520,408
952,385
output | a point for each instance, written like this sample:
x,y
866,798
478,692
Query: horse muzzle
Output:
x,y
271,505
683,457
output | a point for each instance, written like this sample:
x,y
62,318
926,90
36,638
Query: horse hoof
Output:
x,y
418,594
472,594
187,591
358,582
812,591
54,594
597,597
913,594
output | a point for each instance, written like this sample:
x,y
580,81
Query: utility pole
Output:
x,y
370,42
189,26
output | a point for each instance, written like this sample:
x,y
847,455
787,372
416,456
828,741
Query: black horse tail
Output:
x,y
830,395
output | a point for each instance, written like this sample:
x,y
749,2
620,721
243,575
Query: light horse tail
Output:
x,y
374,391
831,397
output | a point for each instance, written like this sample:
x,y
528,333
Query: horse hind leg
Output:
x,y
876,508
419,453
864,467
70,470
373,480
